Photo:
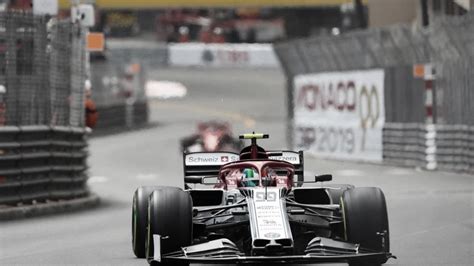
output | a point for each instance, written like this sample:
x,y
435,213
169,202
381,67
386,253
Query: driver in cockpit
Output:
x,y
249,178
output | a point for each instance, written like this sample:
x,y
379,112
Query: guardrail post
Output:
x,y
129,111
429,77
427,73
430,151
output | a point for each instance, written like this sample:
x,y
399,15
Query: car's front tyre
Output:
x,y
170,214
139,219
335,191
366,221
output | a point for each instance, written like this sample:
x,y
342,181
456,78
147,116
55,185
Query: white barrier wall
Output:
x,y
340,115
222,55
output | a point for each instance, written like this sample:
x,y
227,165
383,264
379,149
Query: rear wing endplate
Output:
x,y
206,163
296,158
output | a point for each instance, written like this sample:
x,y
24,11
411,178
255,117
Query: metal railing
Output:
x,y
404,144
42,71
409,138
40,163
122,116
43,146
455,148
43,149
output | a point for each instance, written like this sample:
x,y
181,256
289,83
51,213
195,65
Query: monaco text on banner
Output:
x,y
340,115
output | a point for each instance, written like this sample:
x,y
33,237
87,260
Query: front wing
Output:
x,y
321,250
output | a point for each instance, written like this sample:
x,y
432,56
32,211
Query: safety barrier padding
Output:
x,y
39,163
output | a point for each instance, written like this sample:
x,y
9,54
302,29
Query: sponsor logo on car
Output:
x,y
272,235
202,159
287,156
210,158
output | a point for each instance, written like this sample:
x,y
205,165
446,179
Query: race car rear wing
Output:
x,y
209,163
293,157
206,163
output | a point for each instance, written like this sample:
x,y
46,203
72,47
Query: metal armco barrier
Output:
x,y
39,163
443,147
43,149
140,113
405,144
114,116
428,85
455,148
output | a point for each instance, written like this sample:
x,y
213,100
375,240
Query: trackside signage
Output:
x,y
210,159
340,114
222,55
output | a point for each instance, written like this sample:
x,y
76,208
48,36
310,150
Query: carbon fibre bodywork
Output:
x,y
257,212
267,225
322,250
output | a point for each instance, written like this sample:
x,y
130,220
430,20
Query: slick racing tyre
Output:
x,y
170,216
366,221
335,191
139,219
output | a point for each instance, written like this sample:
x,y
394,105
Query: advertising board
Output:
x,y
340,115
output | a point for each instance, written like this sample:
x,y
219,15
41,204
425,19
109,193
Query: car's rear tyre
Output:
x,y
139,219
170,215
365,219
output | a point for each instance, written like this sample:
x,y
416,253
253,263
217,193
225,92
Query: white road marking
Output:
x,y
164,89
97,179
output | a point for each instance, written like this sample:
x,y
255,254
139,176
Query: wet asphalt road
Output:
x,y
431,213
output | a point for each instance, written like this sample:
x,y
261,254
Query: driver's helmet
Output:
x,y
249,177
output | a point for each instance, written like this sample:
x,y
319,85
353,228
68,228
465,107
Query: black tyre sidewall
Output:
x,y
140,219
170,216
365,214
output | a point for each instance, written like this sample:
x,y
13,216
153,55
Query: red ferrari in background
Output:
x,y
211,136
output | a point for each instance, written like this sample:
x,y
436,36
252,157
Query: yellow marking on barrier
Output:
x,y
248,121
